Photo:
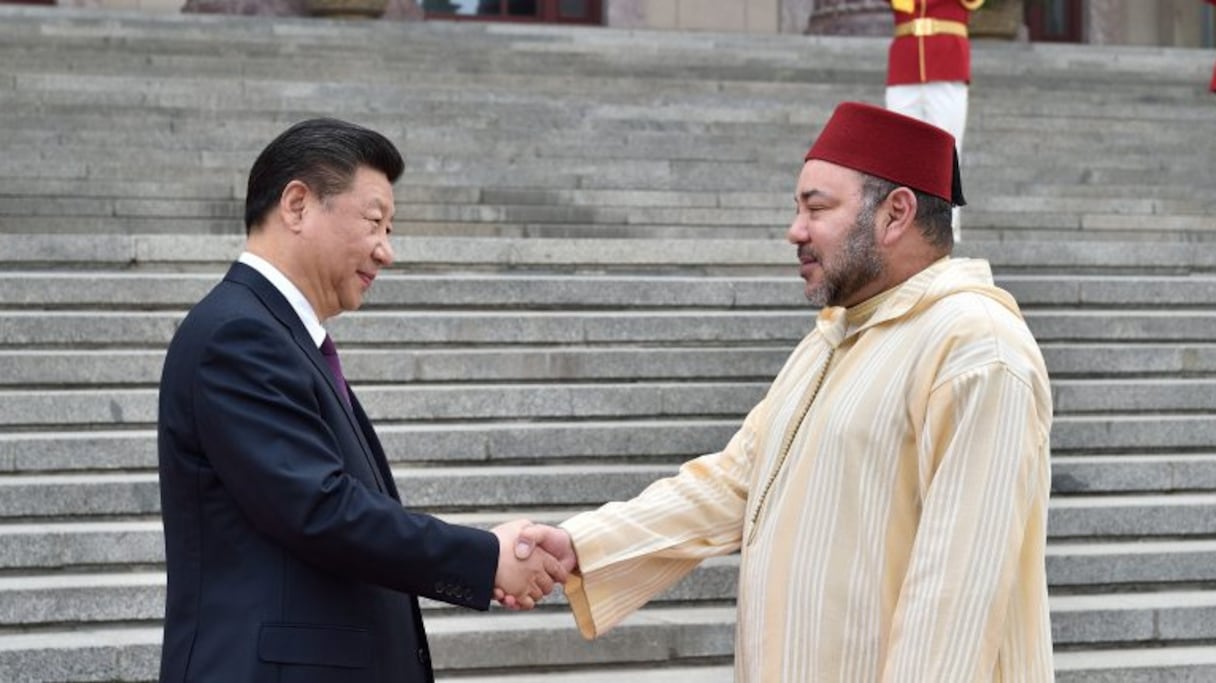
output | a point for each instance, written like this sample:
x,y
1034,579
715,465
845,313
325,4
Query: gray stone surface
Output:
x,y
364,366
79,495
1195,664
76,598
1097,474
1125,395
1132,432
592,285
154,289
1132,516
1130,563
76,545
95,449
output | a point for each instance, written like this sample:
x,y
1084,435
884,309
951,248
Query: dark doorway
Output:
x,y
1054,21
539,11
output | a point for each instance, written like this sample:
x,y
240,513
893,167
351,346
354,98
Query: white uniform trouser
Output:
x,y
941,103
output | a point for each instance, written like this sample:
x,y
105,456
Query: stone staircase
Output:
x,y
592,286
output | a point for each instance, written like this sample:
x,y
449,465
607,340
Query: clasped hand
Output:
x,y
532,558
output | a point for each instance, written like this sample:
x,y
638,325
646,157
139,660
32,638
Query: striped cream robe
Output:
x,y
888,494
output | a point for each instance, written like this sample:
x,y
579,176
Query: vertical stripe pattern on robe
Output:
x,y
902,536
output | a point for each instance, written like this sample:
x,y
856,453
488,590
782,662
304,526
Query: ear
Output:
x,y
897,216
292,204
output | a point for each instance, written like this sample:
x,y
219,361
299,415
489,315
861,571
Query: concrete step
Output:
x,y
704,257
119,407
1115,359
67,134
1132,433
652,635
1188,615
50,548
1137,665
135,596
32,548
1093,231
174,198
1133,516
1130,563
1133,473
362,366
571,43
144,290
1044,228
155,329
208,142
542,441
762,171
109,329
501,442
55,369
133,407
81,545
458,643
61,496
55,493
556,48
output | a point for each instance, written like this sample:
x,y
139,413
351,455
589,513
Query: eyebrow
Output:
x,y
808,195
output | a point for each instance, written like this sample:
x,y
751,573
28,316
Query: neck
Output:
x,y
279,254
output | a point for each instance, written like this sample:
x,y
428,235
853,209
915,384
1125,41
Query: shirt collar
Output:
x,y
299,303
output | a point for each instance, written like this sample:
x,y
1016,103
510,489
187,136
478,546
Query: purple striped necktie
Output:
x,y
330,352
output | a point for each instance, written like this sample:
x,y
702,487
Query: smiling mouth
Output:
x,y
367,279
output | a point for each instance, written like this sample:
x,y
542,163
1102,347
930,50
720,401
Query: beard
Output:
x,y
856,265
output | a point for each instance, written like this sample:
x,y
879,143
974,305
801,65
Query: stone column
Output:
x,y
1105,22
795,14
628,14
850,18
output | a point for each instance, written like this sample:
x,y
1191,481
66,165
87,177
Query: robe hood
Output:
x,y
943,278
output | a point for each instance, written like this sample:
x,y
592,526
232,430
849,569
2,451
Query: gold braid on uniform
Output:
x,y
971,5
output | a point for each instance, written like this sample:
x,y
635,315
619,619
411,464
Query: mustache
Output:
x,y
805,253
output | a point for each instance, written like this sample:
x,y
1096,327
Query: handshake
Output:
x,y
531,559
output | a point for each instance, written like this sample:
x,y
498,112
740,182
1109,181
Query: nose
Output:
x,y
797,233
384,253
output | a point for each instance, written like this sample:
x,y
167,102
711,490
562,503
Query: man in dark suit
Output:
x,y
290,557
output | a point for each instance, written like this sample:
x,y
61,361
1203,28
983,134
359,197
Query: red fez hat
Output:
x,y
891,146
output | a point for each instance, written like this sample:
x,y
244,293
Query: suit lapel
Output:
x,y
281,309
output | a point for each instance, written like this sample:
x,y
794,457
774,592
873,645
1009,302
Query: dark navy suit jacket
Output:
x,y
290,558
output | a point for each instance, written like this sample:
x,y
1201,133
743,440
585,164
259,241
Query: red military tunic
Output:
x,y
1213,86
938,53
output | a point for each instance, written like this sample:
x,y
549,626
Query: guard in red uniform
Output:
x,y
929,65
1213,86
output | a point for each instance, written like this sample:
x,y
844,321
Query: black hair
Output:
x,y
324,154
932,212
